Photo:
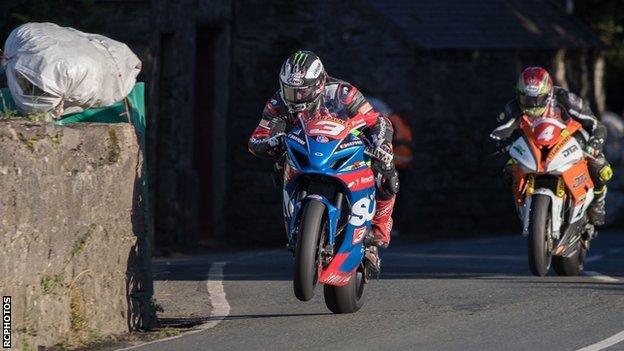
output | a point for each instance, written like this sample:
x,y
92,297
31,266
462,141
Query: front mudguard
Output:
x,y
556,212
297,207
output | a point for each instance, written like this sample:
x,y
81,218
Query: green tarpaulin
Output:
x,y
111,114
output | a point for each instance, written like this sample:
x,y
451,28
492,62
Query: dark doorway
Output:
x,y
204,125
162,126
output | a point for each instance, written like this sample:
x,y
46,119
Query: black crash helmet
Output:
x,y
302,80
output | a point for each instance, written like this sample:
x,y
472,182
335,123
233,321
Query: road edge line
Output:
x,y
218,300
603,344
601,277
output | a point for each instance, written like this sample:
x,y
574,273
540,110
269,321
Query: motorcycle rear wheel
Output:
x,y
348,298
570,266
305,275
539,257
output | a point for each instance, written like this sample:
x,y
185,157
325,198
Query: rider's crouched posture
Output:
x,y
537,97
306,88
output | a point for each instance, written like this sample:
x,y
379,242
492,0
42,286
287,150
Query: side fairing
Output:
x,y
565,156
346,163
521,152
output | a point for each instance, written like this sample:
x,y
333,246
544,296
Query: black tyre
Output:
x,y
306,251
570,266
348,298
539,257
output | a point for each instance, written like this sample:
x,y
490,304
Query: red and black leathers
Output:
x,y
347,101
572,106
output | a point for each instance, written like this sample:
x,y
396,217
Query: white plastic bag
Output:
x,y
60,70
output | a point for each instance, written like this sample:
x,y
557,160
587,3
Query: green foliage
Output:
x,y
27,330
48,283
77,311
80,244
165,332
155,305
97,337
113,148
13,115
606,18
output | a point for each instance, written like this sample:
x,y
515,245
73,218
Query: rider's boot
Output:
x,y
600,172
597,207
382,222
371,253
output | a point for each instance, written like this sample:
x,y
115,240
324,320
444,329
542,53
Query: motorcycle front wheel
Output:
x,y
305,272
539,257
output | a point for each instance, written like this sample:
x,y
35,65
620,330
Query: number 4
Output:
x,y
547,133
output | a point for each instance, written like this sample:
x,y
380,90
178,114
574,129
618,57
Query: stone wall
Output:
x,y
71,233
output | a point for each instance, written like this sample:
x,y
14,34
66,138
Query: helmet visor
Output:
x,y
533,101
298,95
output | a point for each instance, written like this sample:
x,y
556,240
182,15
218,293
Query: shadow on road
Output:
x,y
276,315
189,322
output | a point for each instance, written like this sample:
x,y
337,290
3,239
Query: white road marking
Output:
x,y
601,277
216,292
220,305
601,345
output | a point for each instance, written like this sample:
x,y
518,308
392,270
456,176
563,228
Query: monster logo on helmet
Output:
x,y
535,91
302,80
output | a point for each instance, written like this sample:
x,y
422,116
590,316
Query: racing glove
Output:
x,y
382,152
275,144
594,146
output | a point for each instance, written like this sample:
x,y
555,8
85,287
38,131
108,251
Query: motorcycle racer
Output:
x,y
538,97
305,88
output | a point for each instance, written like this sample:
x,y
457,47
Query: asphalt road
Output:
x,y
450,295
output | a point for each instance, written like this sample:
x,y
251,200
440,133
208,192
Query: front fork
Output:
x,y
556,209
326,252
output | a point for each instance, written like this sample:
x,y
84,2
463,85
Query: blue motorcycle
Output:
x,y
329,203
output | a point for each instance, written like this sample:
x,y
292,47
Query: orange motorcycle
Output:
x,y
552,190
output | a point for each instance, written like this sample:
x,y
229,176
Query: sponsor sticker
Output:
x,y
358,235
567,152
579,180
337,278
520,149
296,138
362,211
322,139
350,144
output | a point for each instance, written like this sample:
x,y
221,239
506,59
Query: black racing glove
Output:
x,y
275,145
594,146
382,153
